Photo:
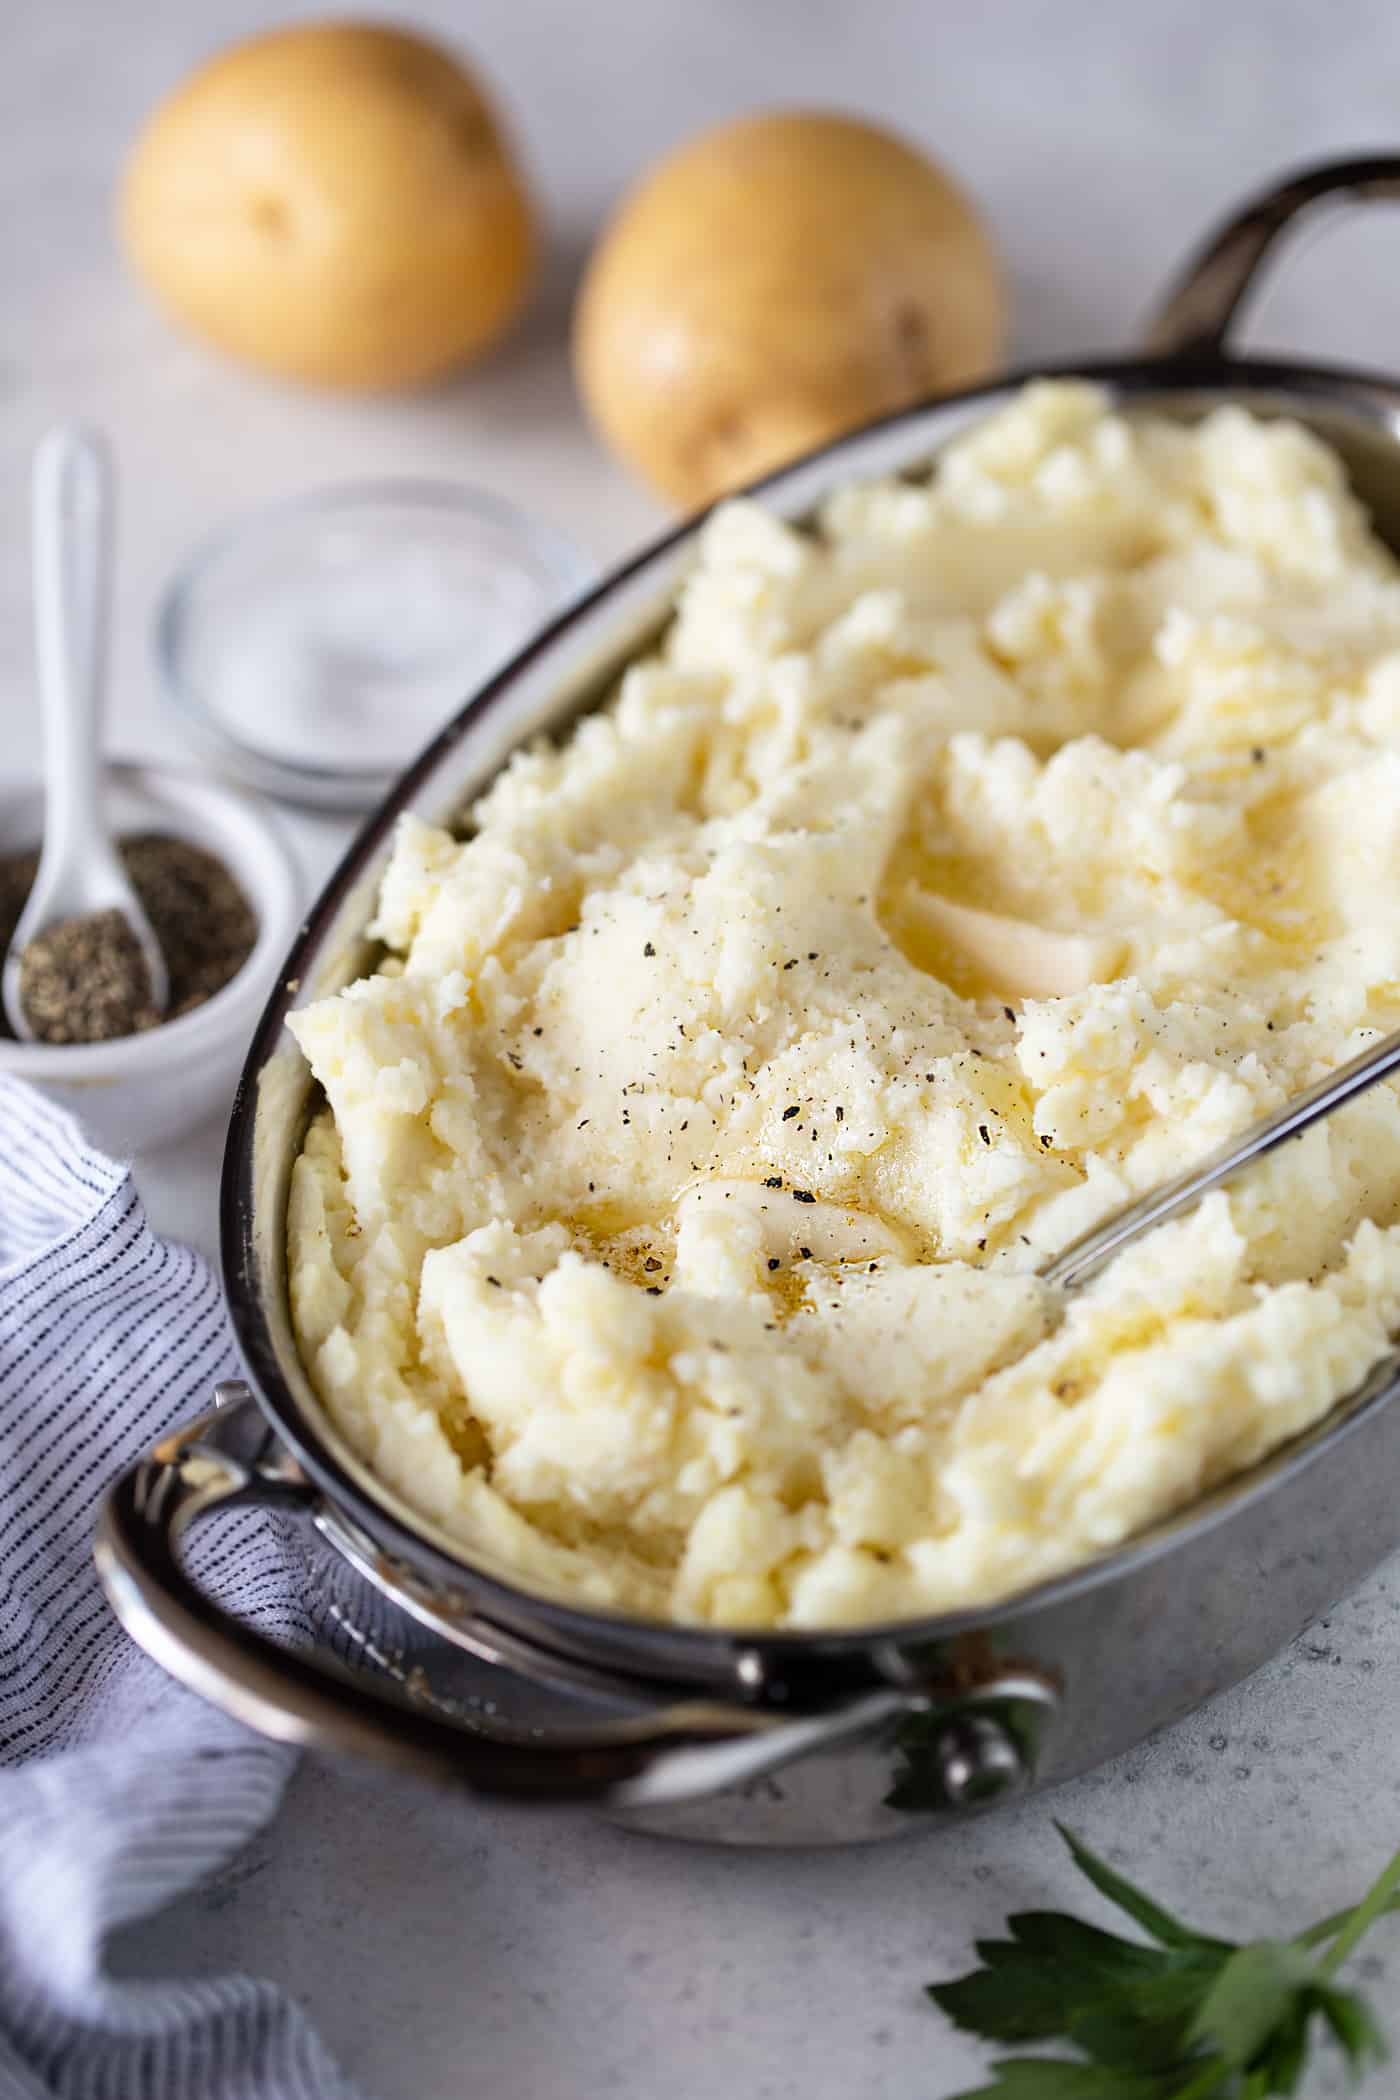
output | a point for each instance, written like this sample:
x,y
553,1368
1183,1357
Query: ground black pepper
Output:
x,y
84,981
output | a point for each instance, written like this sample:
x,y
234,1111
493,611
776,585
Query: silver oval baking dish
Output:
x,y
767,1737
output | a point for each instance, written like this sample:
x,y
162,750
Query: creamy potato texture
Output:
x,y
953,871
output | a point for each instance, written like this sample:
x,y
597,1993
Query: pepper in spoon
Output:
x,y
83,923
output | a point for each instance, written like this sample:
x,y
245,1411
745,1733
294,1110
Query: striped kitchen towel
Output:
x,y
117,1790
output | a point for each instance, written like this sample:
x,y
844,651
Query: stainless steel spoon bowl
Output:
x,y
80,871
1084,1257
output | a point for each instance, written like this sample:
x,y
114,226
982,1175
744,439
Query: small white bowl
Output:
x,y
319,606
140,1090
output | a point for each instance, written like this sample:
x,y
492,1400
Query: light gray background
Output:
x,y
454,1951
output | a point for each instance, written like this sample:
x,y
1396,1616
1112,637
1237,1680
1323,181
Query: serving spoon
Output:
x,y
1093,1250
80,871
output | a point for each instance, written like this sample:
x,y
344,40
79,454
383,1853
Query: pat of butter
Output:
x,y
731,1229
1015,955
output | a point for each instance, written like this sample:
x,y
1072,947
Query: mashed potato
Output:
x,y
954,871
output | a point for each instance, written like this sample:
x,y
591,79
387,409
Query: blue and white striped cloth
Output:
x,y
117,1790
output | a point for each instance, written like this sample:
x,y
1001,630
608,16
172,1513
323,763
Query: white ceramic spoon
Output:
x,y
79,868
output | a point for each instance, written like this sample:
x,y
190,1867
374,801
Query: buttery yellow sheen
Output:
x,y
953,871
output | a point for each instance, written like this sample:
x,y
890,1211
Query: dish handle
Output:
x,y
1194,321
229,1459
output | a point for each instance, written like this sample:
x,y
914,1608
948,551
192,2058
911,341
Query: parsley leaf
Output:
x,y
1152,1918
1250,1998
1191,2017
1037,2078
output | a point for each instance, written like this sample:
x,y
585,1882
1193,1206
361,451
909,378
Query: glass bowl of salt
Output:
x,y
318,645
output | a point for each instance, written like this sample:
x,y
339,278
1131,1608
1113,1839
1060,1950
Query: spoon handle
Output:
x,y
1085,1256
72,518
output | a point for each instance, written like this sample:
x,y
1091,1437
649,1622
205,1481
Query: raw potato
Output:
x,y
772,284
334,202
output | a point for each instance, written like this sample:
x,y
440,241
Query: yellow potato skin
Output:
x,y
334,202
774,283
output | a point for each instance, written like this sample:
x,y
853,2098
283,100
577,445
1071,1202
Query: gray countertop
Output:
x,y
449,1950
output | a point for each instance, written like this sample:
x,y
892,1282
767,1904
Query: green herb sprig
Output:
x,y
1189,2017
